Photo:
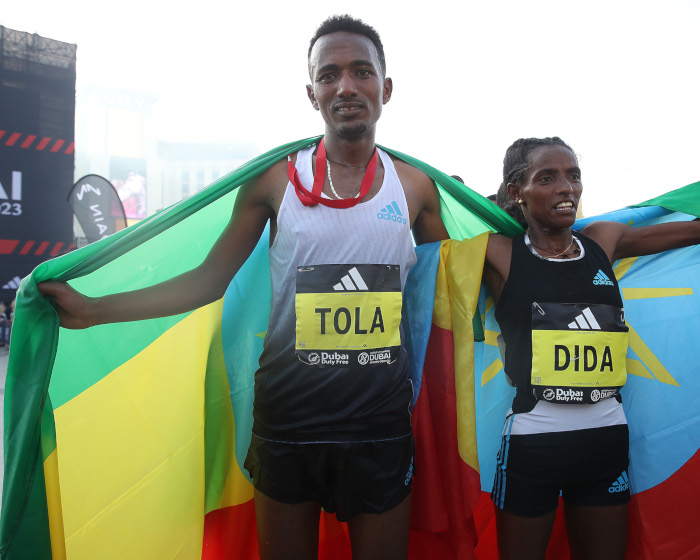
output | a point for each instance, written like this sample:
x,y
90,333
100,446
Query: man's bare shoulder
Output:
x,y
269,186
273,178
420,190
410,176
423,203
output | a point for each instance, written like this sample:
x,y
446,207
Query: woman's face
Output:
x,y
551,188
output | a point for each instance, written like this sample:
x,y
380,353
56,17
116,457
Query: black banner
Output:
x,y
97,207
37,114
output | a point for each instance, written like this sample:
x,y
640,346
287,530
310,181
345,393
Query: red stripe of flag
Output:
x,y
56,249
43,143
27,246
42,248
229,533
57,145
28,141
2,133
13,139
7,246
441,517
70,148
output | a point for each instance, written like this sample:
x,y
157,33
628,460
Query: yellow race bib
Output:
x,y
348,315
579,352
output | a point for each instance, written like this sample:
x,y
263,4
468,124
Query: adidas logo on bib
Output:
x,y
601,279
585,321
351,281
621,484
392,213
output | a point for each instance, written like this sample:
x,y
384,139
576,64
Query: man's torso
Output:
x,y
333,362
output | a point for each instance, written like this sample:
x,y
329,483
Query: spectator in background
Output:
x,y
6,313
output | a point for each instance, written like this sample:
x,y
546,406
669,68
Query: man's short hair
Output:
x,y
351,25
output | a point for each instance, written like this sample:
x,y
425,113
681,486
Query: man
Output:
x,y
332,395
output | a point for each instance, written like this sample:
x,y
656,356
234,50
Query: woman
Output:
x,y
562,319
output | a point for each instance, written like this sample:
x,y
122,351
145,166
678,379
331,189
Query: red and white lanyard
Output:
x,y
313,197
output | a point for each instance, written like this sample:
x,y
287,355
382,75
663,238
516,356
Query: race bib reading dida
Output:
x,y
348,315
579,352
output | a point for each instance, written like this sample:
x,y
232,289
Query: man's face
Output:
x,y
348,85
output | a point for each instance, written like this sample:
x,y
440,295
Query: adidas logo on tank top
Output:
x,y
392,213
601,279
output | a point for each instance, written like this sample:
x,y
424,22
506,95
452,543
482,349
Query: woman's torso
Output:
x,y
586,279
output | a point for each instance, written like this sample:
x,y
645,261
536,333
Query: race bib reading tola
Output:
x,y
348,315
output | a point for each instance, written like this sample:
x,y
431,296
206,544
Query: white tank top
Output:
x,y
295,401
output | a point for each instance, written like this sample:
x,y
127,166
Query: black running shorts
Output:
x,y
345,478
586,467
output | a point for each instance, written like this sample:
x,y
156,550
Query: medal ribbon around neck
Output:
x,y
313,197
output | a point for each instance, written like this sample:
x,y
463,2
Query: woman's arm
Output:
x,y
621,241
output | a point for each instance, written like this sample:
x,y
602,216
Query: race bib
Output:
x,y
579,352
348,315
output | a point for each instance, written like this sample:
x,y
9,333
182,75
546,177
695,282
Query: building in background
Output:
x,y
116,138
188,168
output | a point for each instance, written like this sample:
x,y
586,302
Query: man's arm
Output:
x,y
620,241
423,204
254,206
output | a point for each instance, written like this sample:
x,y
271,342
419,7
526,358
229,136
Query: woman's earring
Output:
x,y
520,201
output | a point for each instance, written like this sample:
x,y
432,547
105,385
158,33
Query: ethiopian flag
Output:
x,y
127,440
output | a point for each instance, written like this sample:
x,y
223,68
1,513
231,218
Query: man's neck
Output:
x,y
349,151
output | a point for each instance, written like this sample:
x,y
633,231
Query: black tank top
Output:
x,y
586,280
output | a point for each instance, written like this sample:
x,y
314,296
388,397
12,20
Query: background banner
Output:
x,y
97,207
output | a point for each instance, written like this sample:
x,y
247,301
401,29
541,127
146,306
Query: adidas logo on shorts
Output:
x,y
601,279
409,474
621,484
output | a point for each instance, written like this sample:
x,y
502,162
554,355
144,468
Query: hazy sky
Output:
x,y
617,80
